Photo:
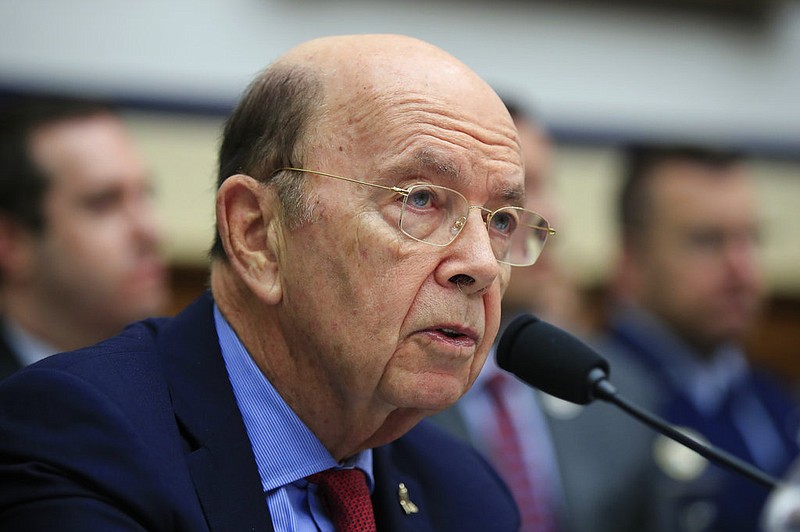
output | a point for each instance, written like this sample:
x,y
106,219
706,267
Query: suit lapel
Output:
x,y
220,458
389,514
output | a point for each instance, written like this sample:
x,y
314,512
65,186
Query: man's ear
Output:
x,y
16,254
248,219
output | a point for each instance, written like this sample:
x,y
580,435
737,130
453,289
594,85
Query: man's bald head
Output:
x,y
337,90
357,66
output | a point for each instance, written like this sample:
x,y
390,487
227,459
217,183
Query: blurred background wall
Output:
x,y
599,73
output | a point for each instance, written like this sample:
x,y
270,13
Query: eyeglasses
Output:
x,y
436,215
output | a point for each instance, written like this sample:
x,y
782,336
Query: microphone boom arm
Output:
x,y
603,389
561,365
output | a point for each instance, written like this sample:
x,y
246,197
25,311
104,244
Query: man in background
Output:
x,y
547,288
689,287
79,232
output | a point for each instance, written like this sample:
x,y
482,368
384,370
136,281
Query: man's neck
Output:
x,y
63,331
343,426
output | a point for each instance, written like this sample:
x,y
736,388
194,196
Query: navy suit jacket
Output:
x,y
142,432
728,501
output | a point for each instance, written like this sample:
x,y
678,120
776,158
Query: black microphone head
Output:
x,y
550,359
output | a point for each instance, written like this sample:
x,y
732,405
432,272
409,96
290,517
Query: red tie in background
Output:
x,y
346,498
507,458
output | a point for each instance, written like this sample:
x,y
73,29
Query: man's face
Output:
x,y
699,259
379,315
98,255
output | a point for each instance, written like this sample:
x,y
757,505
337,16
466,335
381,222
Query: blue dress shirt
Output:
x,y
286,451
28,348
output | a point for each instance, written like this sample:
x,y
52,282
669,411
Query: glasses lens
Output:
x,y
517,235
433,214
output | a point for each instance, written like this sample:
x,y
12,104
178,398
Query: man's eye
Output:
x,y
420,198
101,203
504,222
707,240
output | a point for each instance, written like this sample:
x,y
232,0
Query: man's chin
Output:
x,y
428,390
736,327
436,393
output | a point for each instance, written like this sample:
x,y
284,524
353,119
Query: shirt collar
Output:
x,y
28,348
285,448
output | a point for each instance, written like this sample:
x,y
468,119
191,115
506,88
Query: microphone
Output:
x,y
558,363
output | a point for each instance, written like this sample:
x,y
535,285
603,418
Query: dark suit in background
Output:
x,y
753,419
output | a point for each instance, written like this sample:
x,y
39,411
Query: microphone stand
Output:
x,y
603,389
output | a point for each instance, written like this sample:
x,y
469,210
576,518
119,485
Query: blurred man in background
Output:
x,y
547,288
79,233
690,287
561,461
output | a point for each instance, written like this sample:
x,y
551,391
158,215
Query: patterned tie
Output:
x,y
346,498
506,452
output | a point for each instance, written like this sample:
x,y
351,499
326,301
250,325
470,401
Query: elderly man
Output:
x,y
368,215
79,233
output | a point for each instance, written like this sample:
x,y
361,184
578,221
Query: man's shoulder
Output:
x,y
133,347
453,485
120,370
777,395
121,376
100,421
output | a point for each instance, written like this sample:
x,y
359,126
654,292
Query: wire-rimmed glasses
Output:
x,y
435,215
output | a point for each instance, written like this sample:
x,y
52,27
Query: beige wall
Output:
x,y
586,181
182,152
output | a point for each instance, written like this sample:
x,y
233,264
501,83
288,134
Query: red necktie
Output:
x,y
506,452
346,498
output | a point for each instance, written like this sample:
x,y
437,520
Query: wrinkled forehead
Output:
x,y
435,135
376,82
410,105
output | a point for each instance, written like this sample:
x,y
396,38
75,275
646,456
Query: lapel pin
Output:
x,y
405,503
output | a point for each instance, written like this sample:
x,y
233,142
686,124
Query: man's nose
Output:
x,y
145,220
472,265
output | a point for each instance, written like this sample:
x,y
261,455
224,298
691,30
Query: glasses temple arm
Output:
x,y
398,190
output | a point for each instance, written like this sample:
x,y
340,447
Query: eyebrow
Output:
x,y
427,161
436,164
513,195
